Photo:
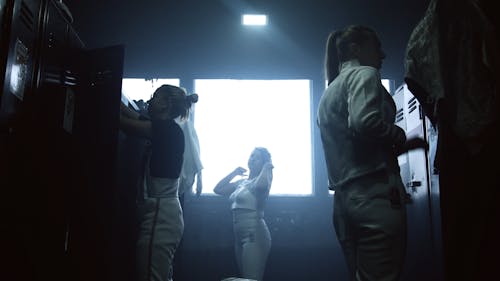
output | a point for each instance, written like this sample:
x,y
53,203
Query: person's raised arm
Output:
x,y
265,178
128,112
131,124
412,144
225,187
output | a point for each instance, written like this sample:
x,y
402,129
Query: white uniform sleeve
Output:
x,y
365,105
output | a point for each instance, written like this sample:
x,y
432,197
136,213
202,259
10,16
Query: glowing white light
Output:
x,y
142,89
254,19
232,117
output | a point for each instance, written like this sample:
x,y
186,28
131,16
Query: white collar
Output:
x,y
349,64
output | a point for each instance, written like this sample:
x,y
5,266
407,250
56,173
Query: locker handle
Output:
x,y
413,184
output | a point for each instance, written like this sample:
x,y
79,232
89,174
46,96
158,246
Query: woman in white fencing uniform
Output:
x,y
361,144
248,196
160,215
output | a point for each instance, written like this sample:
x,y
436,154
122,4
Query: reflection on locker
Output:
x,y
423,257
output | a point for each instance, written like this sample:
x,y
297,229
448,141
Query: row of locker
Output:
x,y
58,141
424,251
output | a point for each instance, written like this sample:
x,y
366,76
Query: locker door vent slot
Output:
x,y
27,17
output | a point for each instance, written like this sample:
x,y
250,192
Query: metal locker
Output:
x,y
20,23
422,258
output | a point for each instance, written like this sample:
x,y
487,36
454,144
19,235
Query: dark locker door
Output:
x,y
20,20
51,151
5,24
95,132
20,24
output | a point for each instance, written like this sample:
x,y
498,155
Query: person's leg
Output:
x,y
177,263
238,234
255,251
146,214
343,232
238,250
169,234
379,214
161,230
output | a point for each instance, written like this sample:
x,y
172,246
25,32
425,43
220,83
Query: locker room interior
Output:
x,y
67,172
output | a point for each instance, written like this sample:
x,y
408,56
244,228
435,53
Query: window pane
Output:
x,y
232,117
140,88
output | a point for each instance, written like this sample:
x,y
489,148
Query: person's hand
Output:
x,y
128,112
415,143
412,144
199,185
239,171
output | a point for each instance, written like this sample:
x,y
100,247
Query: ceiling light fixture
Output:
x,y
254,19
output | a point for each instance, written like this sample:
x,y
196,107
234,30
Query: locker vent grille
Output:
x,y
27,16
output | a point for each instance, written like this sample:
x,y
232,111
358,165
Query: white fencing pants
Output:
x,y
252,243
370,223
160,232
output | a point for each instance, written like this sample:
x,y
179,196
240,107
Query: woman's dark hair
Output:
x,y
178,99
337,47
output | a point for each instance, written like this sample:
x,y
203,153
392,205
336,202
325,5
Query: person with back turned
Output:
x,y
361,144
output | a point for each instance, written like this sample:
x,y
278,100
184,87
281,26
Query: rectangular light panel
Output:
x,y
254,20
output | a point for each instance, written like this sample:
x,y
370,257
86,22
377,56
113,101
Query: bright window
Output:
x,y
140,88
232,117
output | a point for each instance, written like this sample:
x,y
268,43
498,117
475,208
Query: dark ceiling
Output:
x,y
193,38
